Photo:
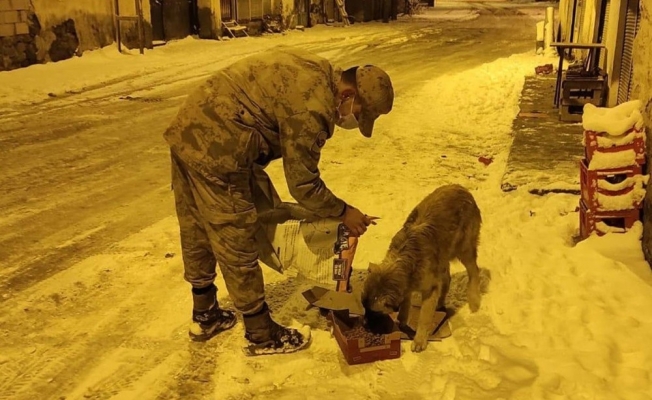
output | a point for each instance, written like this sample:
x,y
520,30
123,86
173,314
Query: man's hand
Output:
x,y
356,221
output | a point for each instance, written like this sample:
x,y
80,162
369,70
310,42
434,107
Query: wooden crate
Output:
x,y
570,113
580,90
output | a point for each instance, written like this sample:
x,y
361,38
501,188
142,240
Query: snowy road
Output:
x,y
92,300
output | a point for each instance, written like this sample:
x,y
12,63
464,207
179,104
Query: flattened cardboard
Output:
x,y
332,300
442,328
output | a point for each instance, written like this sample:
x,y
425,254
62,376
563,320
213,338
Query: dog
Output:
x,y
443,226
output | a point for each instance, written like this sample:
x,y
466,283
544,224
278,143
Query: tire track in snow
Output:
x,y
60,365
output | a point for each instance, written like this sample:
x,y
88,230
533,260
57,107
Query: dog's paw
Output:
x,y
419,344
473,298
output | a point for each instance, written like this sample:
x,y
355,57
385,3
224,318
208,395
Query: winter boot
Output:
x,y
208,319
268,337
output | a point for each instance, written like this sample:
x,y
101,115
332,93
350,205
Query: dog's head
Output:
x,y
382,291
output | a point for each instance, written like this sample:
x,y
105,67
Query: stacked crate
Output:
x,y
612,180
577,91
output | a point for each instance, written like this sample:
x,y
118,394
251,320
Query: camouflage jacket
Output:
x,y
276,104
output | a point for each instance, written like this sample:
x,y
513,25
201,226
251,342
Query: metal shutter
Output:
x,y
226,7
603,35
632,20
244,10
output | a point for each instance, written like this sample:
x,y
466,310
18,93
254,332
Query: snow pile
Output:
x,y
604,228
614,121
489,116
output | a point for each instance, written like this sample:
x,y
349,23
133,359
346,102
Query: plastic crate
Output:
x,y
590,183
591,145
615,221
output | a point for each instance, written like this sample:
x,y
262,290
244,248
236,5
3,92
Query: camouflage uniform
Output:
x,y
276,104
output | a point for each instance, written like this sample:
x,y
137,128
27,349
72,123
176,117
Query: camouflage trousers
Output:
x,y
218,226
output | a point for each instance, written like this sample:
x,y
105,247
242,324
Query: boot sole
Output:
x,y
209,335
254,350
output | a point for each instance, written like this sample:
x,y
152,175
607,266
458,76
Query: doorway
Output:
x,y
174,19
156,9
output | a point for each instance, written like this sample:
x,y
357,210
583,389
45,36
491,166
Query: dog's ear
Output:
x,y
373,267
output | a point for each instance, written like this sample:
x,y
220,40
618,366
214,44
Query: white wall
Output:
x,y
643,90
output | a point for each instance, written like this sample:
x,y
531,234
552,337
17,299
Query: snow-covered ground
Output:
x,y
557,321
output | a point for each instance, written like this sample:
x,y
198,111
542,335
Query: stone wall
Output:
x,y
17,46
39,31
643,90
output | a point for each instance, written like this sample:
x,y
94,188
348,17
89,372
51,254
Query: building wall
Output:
x,y
210,18
642,90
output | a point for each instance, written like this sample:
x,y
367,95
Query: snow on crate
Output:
x,y
612,189
626,201
612,160
625,184
628,138
615,121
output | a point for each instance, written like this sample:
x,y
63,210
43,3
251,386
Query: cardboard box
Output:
x,y
355,350
334,301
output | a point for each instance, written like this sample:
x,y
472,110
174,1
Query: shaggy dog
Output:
x,y
443,226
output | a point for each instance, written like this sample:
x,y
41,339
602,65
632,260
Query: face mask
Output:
x,y
349,121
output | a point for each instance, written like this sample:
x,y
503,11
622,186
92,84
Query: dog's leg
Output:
x,y
445,286
469,259
404,310
426,317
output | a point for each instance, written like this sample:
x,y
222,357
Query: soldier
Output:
x,y
282,103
